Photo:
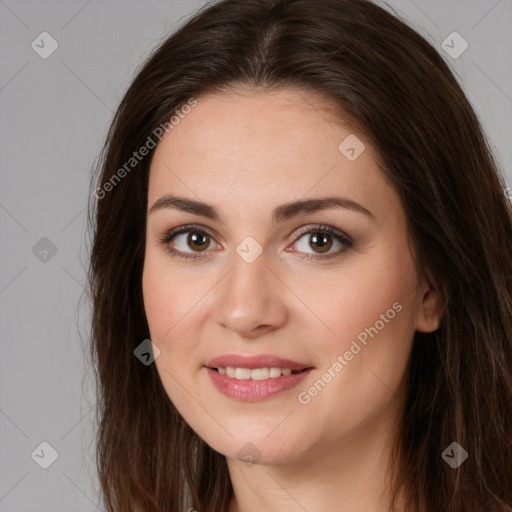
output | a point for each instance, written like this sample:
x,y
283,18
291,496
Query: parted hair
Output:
x,y
388,82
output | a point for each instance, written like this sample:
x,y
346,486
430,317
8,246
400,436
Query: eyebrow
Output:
x,y
281,213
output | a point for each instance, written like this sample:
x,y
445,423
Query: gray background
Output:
x,y
54,114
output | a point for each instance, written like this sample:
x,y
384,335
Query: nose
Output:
x,y
250,301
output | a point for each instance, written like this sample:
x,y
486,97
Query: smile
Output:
x,y
254,378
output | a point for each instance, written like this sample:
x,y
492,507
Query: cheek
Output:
x,y
368,289
172,311
163,313
167,299
155,293
165,316
369,308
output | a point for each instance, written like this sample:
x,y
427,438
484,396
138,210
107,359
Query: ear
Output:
x,y
431,305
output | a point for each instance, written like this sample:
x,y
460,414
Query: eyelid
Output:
x,y
327,228
167,236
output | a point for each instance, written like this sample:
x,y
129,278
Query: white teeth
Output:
x,y
275,372
260,374
242,373
255,374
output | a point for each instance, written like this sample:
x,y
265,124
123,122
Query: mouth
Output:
x,y
255,378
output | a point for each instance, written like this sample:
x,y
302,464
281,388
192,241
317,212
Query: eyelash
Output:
x,y
341,237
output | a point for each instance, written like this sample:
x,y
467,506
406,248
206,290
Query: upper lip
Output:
x,y
253,362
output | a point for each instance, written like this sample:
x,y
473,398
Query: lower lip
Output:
x,y
248,390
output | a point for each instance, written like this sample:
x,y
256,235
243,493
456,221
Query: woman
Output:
x,y
301,274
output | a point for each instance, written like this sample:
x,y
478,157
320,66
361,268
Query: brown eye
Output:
x,y
187,242
198,240
321,242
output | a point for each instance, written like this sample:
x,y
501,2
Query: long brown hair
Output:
x,y
395,88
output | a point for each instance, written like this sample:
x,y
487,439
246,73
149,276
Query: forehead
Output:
x,y
254,146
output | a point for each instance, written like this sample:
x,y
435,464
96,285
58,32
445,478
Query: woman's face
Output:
x,y
265,288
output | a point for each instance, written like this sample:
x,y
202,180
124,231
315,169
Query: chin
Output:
x,y
258,445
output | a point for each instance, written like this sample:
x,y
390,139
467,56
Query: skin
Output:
x,y
247,153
